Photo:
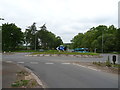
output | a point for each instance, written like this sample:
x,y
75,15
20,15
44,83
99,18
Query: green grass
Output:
x,y
26,51
107,63
65,53
20,83
116,65
56,52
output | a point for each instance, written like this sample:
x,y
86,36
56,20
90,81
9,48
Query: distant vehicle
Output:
x,y
81,50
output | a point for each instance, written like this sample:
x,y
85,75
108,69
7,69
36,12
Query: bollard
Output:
x,y
114,59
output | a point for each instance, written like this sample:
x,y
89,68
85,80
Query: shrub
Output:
x,y
108,64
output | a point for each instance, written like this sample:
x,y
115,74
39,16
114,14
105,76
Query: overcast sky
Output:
x,y
65,18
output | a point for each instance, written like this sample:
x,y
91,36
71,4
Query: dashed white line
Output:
x,y
9,61
34,62
49,63
65,63
20,62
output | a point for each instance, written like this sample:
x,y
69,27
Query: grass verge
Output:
x,y
65,53
24,80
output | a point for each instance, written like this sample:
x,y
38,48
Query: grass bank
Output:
x,y
65,53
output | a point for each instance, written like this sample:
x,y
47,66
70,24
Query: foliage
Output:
x,y
98,63
44,39
20,83
65,53
12,37
94,37
108,63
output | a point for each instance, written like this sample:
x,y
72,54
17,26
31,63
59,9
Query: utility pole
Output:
x,y
34,28
102,41
1,36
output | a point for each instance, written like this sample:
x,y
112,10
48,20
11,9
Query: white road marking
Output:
x,y
88,67
49,63
93,68
20,62
65,63
9,61
34,62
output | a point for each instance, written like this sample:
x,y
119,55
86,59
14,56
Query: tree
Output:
x,y
30,36
77,40
47,39
41,38
100,37
117,41
12,37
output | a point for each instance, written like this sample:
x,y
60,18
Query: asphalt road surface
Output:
x,y
57,72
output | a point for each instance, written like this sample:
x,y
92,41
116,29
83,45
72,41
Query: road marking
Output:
x,y
34,62
49,63
93,68
79,65
20,62
88,67
65,63
9,61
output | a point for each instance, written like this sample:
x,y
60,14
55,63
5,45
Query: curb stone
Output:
x,y
82,56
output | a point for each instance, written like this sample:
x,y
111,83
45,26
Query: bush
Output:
x,y
108,64
97,63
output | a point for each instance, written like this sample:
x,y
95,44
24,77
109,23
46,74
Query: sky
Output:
x,y
65,18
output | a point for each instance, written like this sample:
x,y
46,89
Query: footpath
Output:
x,y
15,76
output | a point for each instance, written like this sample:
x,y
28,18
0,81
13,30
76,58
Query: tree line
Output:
x,y
102,38
14,39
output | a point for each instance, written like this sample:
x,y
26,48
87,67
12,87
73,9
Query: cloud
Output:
x,y
65,18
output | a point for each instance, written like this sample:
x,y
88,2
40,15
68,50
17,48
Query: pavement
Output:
x,y
9,71
57,72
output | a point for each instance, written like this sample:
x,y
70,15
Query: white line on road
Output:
x,y
89,67
65,63
9,61
93,68
20,62
34,62
49,63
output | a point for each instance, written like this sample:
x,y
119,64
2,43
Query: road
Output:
x,y
57,72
